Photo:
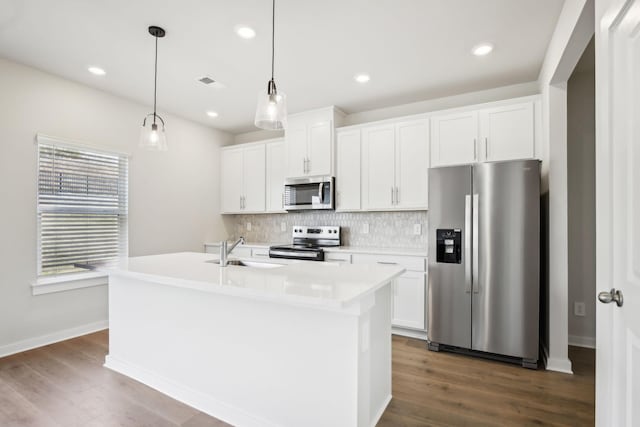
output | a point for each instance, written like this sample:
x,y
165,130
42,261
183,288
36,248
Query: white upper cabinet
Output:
x,y
504,132
231,180
275,175
242,180
348,170
454,139
296,149
507,132
379,167
412,164
395,165
309,142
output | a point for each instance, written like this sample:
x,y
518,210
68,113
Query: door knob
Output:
x,y
611,296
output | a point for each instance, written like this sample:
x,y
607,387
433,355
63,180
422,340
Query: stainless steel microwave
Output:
x,y
316,192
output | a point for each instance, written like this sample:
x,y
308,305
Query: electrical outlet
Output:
x,y
283,226
365,228
417,229
248,226
579,309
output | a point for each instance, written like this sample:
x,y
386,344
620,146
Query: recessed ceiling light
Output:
x,y
482,49
212,114
362,78
245,32
97,71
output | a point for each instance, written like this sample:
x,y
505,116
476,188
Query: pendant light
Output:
x,y
152,135
271,113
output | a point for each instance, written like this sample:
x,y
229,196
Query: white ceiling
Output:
x,y
413,49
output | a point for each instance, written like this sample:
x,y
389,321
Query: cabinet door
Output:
x,y
231,180
454,139
253,178
275,176
296,150
379,166
348,171
412,164
319,149
507,132
409,301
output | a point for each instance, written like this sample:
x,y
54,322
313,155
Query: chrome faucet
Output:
x,y
224,251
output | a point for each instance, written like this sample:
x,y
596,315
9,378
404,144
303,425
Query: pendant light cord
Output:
x,y
273,31
155,82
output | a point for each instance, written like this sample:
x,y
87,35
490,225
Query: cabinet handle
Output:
x,y
304,165
397,196
240,202
486,148
308,165
392,195
475,149
387,263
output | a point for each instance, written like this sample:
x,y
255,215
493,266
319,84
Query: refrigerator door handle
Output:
x,y
476,249
467,243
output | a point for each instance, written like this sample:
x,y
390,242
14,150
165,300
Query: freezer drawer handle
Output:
x,y
476,249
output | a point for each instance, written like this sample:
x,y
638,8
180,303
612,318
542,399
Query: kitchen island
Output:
x,y
301,344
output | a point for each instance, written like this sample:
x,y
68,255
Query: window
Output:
x,y
82,208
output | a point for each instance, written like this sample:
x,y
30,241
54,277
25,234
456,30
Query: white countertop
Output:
x,y
317,284
421,252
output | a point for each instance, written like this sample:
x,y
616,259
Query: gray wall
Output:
x,y
173,202
581,198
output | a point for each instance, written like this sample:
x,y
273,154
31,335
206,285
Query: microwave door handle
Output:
x,y
321,192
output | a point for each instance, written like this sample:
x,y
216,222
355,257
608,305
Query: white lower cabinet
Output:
x,y
409,300
409,292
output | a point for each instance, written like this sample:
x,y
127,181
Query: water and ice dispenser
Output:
x,y
449,246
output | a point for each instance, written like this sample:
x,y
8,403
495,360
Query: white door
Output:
x,y
319,158
348,171
295,138
618,211
409,300
454,139
379,166
507,132
275,176
254,179
412,164
231,180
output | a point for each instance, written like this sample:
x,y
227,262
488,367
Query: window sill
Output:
x,y
67,282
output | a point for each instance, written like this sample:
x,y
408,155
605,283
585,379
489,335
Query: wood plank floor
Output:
x,y
64,384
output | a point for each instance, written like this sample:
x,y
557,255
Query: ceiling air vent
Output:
x,y
206,80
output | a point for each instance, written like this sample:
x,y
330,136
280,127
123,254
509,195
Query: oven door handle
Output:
x,y
321,192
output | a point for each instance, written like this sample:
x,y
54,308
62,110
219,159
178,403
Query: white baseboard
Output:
x,y
421,335
581,341
559,365
65,334
186,395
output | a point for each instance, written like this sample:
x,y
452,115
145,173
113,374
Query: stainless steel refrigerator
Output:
x,y
484,259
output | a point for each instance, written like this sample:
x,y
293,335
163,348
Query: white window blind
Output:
x,y
82,207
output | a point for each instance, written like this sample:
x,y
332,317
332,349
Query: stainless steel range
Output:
x,y
308,243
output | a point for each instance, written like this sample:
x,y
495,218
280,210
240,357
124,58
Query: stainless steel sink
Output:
x,y
244,263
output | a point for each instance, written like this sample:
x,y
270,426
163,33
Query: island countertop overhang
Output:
x,y
303,283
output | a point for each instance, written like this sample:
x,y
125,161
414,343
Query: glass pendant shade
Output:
x,y
152,135
271,112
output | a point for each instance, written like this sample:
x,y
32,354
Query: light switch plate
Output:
x,y
579,309
283,226
365,228
417,229
248,226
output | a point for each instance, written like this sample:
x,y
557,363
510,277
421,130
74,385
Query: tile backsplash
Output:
x,y
385,229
